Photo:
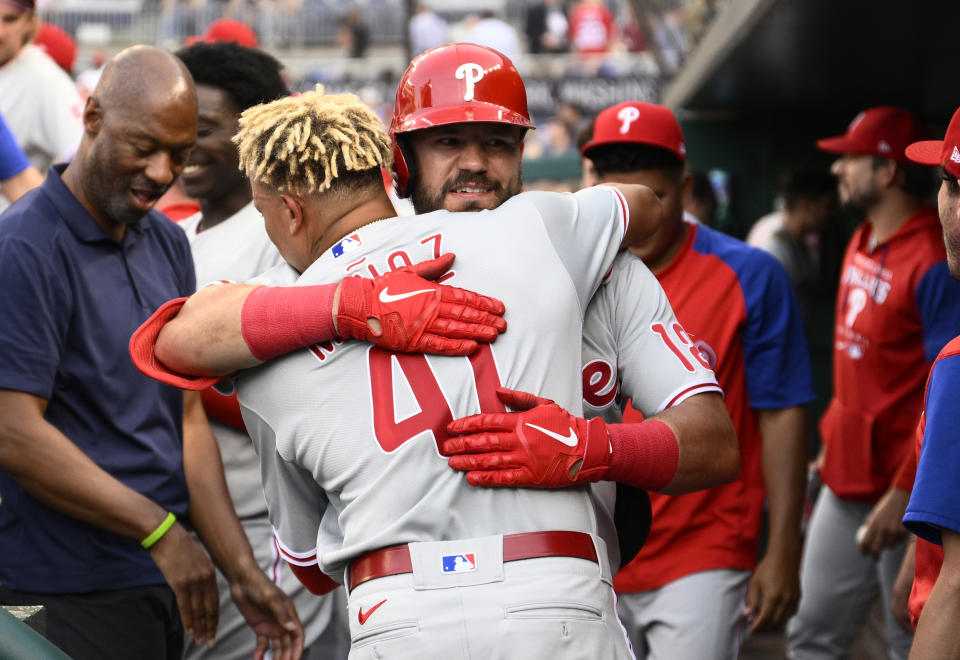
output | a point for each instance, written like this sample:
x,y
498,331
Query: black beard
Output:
x,y
423,202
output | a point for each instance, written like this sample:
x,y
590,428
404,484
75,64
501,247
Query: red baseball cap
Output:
x,y
22,5
940,152
59,45
882,131
228,29
636,122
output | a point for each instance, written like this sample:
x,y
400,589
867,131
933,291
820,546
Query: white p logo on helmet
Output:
x,y
470,73
627,115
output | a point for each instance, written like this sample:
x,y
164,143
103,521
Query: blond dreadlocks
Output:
x,y
300,144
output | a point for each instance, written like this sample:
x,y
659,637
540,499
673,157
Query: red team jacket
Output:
x,y
738,305
935,501
896,308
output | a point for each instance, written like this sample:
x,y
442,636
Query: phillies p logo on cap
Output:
x,y
628,115
636,122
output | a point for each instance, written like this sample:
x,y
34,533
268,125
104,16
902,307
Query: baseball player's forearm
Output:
x,y
774,589
709,454
55,471
784,461
900,598
498,449
883,526
937,628
265,607
211,510
205,338
223,329
226,328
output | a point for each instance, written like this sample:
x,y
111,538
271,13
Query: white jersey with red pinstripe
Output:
x,y
351,430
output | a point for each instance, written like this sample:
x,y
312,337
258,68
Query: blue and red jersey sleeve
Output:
x,y
775,348
935,501
938,301
776,359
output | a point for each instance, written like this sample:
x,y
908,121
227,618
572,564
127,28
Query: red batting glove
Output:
x,y
417,315
541,445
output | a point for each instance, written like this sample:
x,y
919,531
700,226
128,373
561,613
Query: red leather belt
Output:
x,y
531,545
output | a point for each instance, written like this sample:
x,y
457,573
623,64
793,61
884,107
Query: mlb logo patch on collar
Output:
x,y
346,244
466,563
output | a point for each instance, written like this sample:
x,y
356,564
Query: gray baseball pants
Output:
x,y
839,584
696,617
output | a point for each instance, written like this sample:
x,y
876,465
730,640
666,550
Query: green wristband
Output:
x,y
158,533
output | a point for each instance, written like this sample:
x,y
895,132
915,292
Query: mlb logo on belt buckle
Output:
x,y
459,563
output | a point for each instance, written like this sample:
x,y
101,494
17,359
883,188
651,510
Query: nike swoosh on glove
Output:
x,y
415,314
540,446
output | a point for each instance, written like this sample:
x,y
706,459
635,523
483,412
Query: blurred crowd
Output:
x,y
590,38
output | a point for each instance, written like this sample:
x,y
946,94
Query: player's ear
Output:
x,y
888,172
294,213
92,116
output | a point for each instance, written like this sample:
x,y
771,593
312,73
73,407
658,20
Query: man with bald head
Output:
x,y
102,469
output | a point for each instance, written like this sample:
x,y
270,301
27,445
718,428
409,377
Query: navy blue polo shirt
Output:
x,y
70,297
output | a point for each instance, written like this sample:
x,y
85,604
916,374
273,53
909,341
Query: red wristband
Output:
x,y
277,320
645,454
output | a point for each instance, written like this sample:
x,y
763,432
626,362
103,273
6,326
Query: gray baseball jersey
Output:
x,y
630,340
351,430
234,250
625,357
238,249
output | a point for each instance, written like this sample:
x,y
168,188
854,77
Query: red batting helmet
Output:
x,y
452,84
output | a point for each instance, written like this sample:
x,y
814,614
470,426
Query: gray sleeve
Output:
x,y
282,274
601,382
657,363
295,502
